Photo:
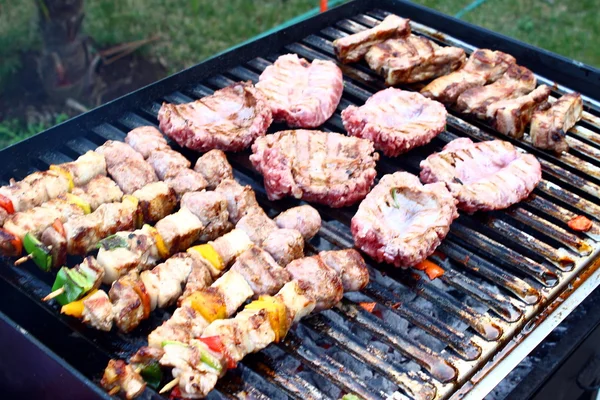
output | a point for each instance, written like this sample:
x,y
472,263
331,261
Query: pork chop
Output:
x,y
510,117
402,221
483,176
515,82
549,127
396,120
300,93
229,119
324,167
413,59
353,48
484,66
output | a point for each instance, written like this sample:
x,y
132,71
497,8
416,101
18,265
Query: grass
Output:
x,y
14,130
192,30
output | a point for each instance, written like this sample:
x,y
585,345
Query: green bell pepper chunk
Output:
x,y
72,289
113,242
39,252
152,374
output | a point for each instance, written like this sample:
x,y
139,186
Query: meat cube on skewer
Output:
x,y
305,219
145,140
483,66
516,82
510,117
167,163
211,207
214,167
240,199
549,126
98,311
98,191
120,377
284,245
413,59
352,48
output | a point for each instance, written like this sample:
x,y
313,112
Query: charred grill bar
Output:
x,y
510,276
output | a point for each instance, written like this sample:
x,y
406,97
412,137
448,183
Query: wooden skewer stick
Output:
x,y
114,390
169,386
28,257
54,294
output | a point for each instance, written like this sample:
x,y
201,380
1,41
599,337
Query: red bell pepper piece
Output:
x,y
7,204
215,344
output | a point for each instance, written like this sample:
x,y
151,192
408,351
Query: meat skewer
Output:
x,y
317,284
41,186
549,125
31,223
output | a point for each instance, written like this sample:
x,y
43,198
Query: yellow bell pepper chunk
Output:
x,y
135,202
163,252
79,202
75,308
209,303
210,254
277,314
64,172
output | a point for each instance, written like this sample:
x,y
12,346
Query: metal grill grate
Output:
x,y
426,339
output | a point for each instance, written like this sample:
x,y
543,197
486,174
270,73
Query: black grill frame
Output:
x,y
89,351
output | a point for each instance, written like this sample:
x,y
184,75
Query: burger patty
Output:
x,y
323,167
483,176
300,93
396,120
402,221
229,119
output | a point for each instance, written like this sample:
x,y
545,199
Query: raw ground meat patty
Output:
x,y
229,119
323,167
483,176
402,221
302,94
396,121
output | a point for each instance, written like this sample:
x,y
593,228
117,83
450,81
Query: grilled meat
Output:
x,y
156,201
353,48
214,167
300,93
396,121
145,140
483,66
549,127
240,199
230,119
401,222
305,219
510,117
260,271
323,283
211,208
413,59
284,245
116,152
99,190
186,180
131,302
120,376
515,82
35,189
483,176
180,230
98,311
350,266
324,167
257,225
167,163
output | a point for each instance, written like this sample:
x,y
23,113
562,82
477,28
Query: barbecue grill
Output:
x,y
510,276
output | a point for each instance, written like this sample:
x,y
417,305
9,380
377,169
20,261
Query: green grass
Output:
x,y
192,30
14,130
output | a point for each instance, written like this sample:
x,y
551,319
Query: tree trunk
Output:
x,y
64,64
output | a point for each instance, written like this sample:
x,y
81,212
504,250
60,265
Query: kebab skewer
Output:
x,y
200,360
41,186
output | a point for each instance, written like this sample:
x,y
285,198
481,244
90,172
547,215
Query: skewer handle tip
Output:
x,y
169,386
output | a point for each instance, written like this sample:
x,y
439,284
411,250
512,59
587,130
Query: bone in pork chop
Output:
x,y
484,66
510,117
483,176
413,59
516,82
402,221
300,93
324,167
395,120
549,127
353,48
229,119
